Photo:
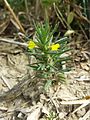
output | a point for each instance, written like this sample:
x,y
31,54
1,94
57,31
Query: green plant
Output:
x,y
51,116
48,2
49,54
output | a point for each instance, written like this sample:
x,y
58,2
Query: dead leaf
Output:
x,y
69,32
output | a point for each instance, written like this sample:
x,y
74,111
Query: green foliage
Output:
x,y
49,54
51,116
70,17
17,5
48,2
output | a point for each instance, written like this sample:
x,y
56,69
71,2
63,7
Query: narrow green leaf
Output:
x,y
70,17
48,84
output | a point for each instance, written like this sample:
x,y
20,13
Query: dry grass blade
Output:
x,y
9,40
14,16
83,105
4,25
86,116
8,84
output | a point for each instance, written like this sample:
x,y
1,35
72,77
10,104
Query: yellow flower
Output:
x,y
55,47
31,44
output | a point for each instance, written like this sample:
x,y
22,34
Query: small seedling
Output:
x,y
48,53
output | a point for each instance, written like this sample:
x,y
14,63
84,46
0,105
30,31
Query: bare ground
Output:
x,y
30,101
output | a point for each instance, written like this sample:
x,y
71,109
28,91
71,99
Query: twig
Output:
x,y
87,115
14,16
80,107
75,102
55,104
8,40
6,82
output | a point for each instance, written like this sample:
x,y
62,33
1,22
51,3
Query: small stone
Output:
x,y
62,115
